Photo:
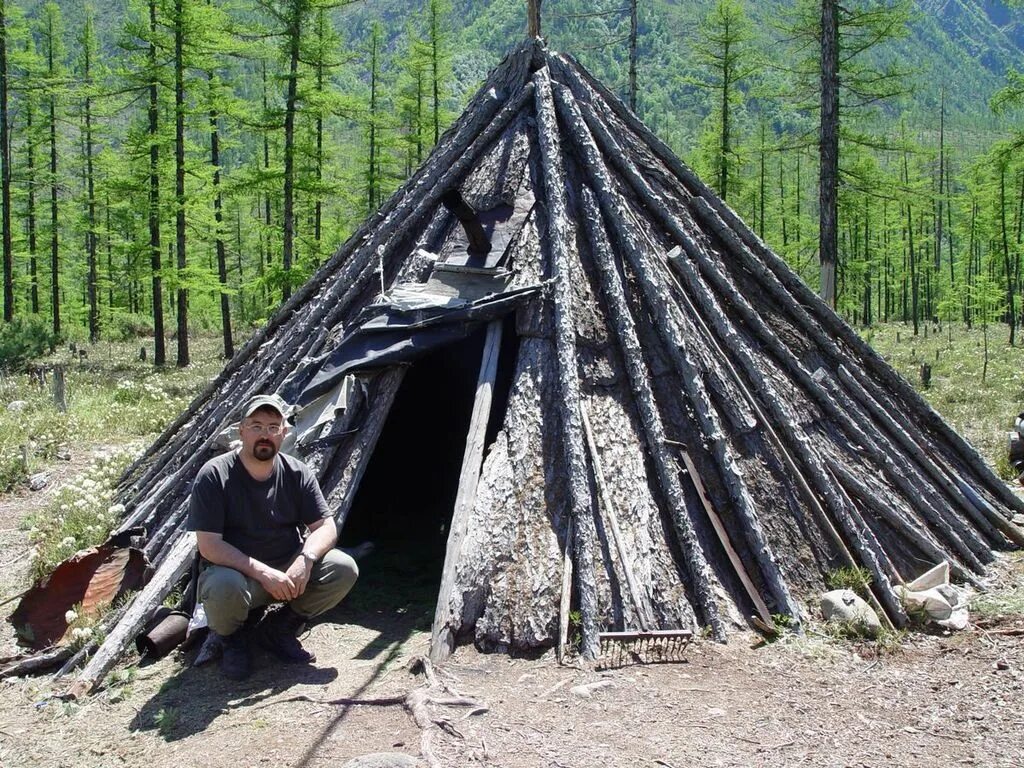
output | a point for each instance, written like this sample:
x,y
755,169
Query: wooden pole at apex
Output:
x,y
533,18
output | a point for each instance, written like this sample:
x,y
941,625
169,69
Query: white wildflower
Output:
x,y
67,541
70,617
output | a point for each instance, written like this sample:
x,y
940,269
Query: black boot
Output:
x,y
277,633
236,661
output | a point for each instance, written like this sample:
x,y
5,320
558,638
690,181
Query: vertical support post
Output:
x,y
59,390
442,634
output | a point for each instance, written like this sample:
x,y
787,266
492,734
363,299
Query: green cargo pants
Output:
x,y
228,595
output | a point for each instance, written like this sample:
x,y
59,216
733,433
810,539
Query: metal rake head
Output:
x,y
663,646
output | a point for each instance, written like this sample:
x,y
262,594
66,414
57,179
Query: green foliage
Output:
x,y
80,515
126,326
856,579
981,411
23,339
165,720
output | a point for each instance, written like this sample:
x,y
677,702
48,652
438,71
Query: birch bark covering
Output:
x,y
700,360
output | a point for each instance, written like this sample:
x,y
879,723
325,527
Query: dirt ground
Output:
x,y
936,700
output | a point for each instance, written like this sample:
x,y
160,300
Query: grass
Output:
x,y
855,579
1006,603
165,720
112,398
982,410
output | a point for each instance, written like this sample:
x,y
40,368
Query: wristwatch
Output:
x,y
310,557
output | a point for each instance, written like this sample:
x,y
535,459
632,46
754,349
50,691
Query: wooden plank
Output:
x,y
566,595
723,536
442,636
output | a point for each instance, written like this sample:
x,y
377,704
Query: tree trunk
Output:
x,y
1012,316
90,236
5,172
533,18
828,242
435,63
633,29
54,213
218,216
155,254
294,33
33,261
179,181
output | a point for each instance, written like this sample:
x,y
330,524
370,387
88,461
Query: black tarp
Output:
x,y
385,334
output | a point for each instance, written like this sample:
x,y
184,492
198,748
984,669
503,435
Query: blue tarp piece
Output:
x,y
386,334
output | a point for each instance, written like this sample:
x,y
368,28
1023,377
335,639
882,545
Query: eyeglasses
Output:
x,y
265,429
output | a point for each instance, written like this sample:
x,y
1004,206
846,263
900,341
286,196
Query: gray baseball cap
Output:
x,y
266,401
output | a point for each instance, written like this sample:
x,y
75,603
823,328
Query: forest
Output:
x,y
177,166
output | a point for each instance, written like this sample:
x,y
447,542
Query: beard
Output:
x,y
264,450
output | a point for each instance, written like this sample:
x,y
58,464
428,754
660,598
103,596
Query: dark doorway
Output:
x,y
406,498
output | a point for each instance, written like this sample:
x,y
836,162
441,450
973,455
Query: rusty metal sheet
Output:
x,y
93,577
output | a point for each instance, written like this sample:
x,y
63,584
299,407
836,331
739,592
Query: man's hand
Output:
x,y
299,572
279,584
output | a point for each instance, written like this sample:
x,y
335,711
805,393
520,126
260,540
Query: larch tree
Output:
x,y
87,65
724,51
5,172
832,42
55,87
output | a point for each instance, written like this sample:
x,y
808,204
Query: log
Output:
x,y
37,662
891,514
891,461
557,242
723,537
876,560
676,344
779,424
799,295
586,88
701,576
445,627
953,487
909,476
420,195
164,580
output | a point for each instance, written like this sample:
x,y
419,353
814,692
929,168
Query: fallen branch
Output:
x,y
417,703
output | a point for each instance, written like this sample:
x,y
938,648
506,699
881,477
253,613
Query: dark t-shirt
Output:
x,y
261,519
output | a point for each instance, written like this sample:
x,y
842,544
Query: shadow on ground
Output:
x,y
394,600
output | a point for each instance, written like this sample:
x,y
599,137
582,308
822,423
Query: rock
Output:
x,y
17,406
64,454
1018,519
383,760
930,597
38,481
587,690
845,606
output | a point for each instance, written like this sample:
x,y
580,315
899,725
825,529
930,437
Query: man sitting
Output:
x,y
247,508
